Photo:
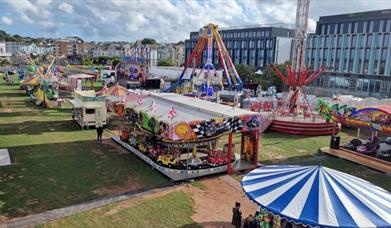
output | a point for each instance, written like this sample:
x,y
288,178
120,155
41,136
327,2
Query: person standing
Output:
x,y
236,216
250,222
99,132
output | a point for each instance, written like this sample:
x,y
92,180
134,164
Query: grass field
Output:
x,y
172,210
55,164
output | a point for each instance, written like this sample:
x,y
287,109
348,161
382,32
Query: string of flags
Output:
x,y
139,101
152,107
172,113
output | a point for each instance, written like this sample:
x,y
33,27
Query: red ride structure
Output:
x,y
294,114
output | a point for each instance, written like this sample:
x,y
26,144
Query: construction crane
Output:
x,y
298,74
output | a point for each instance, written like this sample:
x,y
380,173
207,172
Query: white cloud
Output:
x,y
164,20
66,8
7,20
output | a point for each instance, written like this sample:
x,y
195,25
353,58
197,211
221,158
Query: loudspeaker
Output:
x,y
334,141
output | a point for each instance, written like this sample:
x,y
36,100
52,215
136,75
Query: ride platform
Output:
x,y
181,174
369,161
299,125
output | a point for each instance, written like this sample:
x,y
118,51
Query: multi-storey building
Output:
x,y
355,50
70,46
3,50
255,46
173,52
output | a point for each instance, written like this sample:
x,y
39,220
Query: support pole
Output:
x,y
229,168
256,144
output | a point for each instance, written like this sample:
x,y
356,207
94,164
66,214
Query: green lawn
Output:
x,y
55,164
172,210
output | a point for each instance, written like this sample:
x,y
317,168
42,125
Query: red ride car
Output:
x,y
217,158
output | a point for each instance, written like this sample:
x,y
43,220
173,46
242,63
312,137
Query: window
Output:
x,y
90,111
381,26
322,29
367,52
340,28
365,27
335,29
371,26
386,40
350,28
369,40
355,27
354,39
388,26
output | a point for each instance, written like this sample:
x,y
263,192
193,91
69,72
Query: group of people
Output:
x,y
260,219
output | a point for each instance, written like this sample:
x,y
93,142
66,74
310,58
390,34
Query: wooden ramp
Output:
x,y
371,162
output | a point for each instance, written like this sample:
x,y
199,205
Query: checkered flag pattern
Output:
x,y
228,124
199,130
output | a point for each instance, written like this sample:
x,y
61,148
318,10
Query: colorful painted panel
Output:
x,y
373,118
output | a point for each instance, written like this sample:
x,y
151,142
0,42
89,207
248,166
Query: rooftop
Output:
x,y
188,108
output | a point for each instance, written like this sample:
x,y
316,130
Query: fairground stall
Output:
x,y
372,151
89,109
180,136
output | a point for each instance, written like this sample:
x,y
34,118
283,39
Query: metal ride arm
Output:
x,y
195,53
224,49
222,62
279,74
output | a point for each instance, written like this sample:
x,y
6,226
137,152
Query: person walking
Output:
x,y
236,216
99,132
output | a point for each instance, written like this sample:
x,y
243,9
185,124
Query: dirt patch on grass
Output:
x,y
130,185
213,206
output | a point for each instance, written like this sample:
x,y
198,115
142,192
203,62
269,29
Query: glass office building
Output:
x,y
256,46
355,51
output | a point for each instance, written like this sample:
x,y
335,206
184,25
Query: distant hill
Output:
x,y
17,38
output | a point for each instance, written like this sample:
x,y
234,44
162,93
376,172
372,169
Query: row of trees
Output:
x,y
101,60
268,78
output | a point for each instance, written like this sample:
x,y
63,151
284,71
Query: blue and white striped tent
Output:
x,y
318,196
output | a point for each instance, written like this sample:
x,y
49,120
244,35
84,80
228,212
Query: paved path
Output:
x,y
48,216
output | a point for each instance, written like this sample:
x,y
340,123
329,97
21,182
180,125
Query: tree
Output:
x,y
4,62
247,73
270,78
148,41
114,61
165,62
87,62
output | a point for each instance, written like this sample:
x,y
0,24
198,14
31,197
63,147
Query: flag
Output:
x,y
104,89
152,107
139,101
172,113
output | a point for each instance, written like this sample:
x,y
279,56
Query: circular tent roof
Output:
x,y
318,196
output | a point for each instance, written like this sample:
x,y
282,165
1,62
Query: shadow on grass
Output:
x,y
38,127
48,176
12,95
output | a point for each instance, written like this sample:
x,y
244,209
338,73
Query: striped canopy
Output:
x,y
318,196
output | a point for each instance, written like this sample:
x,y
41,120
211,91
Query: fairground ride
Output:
x,y
209,38
294,113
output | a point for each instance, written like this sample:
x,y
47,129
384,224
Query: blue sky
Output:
x,y
164,20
